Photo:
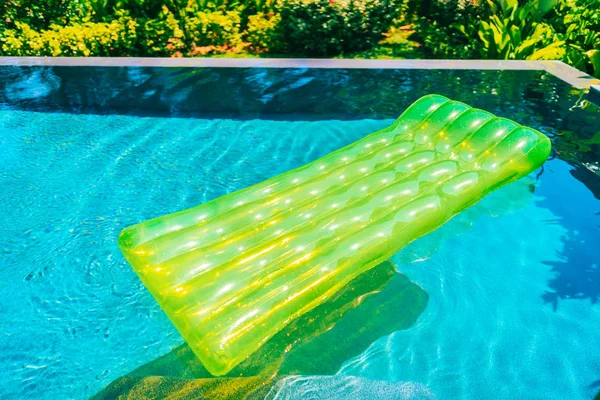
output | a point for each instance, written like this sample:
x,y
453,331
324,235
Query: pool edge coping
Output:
x,y
559,69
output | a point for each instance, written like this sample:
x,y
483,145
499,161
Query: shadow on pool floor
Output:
x,y
576,273
320,341
596,385
317,343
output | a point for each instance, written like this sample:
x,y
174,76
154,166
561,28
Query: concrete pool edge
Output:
x,y
559,69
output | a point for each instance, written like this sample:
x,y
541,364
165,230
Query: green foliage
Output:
x,y
102,10
149,9
578,22
161,36
87,39
214,29
264,32
572,34
38,14
450,28
249,8
514,32
396,45
325,27
568,30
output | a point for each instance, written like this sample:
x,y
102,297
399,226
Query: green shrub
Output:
x,y
326,27
578,21
116,38
104,10
516,31
508,29
539,30
195,34
214,29
495,29
264,32
161,36
38,14
450,28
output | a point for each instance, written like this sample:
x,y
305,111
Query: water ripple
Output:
x,y
72,183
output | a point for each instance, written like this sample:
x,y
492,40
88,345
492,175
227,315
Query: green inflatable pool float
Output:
x,y
233,272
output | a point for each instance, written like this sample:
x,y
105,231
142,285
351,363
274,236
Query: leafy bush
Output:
x,y
214,29
214,32
116,38
450,28
509,29
249,8
578,21
327,27
521,32
161,36
495,29
516,32
35,13
264,32
103,10
499,29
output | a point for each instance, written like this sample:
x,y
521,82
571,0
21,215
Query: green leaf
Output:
x,y
526,48
509,5
554,51
593,140
515,35
594,56
493,6
459,27
542,7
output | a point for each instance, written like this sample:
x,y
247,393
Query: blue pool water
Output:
x,y
513,283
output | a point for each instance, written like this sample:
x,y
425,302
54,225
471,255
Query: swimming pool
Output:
x,y
500,303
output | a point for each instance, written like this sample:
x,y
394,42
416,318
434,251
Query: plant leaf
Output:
x,y
554,51
542,7
594,56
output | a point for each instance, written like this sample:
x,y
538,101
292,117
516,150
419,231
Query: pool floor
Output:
x,y
513,283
